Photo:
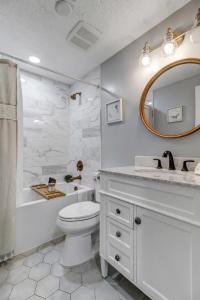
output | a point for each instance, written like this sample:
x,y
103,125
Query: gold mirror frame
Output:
x,y
146,90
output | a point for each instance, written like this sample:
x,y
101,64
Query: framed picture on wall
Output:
x,y
175,114
114,111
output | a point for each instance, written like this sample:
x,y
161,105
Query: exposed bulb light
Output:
x,y
34,59
195,31
169,45
145,58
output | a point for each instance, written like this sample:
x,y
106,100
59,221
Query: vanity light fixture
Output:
x,y
172,40
145,58
195,30
169,46
34,59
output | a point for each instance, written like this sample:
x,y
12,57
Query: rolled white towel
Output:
x,y
197,169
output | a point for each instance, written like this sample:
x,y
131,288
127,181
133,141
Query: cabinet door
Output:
x,y
168,257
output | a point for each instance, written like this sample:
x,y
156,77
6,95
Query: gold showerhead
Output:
x,y
73,96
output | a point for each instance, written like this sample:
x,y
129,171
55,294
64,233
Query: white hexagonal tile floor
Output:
x,y
59,295
83,293
3,275
52,257
47,286
70,282
33,260
23,290
38,275
39,271
17,275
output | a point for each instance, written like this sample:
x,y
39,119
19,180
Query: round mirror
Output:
x,y
170,103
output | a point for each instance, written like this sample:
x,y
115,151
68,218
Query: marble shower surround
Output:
x,y
85,135
58,131
46,129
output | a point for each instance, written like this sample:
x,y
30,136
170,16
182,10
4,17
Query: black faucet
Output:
x,y
171,159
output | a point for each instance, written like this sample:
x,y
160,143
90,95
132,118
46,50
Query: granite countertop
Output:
x,y
163,175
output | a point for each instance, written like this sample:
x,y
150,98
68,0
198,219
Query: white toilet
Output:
x,y
78,221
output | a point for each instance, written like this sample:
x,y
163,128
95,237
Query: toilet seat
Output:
x,y
79,211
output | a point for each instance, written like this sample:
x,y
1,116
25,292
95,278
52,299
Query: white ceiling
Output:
x,y
32,27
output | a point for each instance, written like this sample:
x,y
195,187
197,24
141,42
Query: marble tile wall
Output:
x,y
46,129
58,131
85,135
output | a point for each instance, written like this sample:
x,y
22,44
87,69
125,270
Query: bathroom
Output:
x,y
99,183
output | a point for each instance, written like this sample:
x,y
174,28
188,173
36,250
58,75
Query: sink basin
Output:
x,y
160,171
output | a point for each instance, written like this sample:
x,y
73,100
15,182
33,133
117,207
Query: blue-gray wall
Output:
x,y
123,76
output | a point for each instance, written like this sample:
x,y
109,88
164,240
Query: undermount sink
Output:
x,y
159,171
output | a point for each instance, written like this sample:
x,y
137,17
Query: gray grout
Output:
x,y
79,271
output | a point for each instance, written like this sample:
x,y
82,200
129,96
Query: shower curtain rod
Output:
x,y
17,59
47,69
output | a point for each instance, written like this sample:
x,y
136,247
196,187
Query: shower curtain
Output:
x,y
8,157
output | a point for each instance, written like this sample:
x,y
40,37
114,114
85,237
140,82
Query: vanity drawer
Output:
x,y
120,211
120,260
122,235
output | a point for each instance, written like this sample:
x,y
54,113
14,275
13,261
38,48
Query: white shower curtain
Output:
x,y
8,157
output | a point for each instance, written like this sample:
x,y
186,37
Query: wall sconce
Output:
x,y
169,46
145,57
195,31
172,41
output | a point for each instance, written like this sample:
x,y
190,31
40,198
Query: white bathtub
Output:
x,y
36,217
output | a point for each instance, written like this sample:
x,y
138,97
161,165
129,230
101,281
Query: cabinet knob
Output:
x,y
117,257
118,234
138,221
118,211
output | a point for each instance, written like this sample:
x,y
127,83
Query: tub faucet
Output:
x,y
171,159
69,178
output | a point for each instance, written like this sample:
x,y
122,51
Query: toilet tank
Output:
x,y
96,177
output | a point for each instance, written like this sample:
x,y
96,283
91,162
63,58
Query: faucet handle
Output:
x,y
185,168
159,166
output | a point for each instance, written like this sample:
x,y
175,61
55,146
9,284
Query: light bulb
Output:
x,y
145,58
195,31
195,35
169,45
169,48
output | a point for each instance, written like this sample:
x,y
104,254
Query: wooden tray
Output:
x,y
42,189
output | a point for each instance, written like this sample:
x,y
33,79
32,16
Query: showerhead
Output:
x,y
73,96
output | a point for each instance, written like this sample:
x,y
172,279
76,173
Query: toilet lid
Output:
x,y
80,211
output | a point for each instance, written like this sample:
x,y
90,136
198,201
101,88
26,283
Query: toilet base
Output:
x,y
77,250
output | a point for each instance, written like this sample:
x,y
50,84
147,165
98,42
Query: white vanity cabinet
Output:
x,y
150,232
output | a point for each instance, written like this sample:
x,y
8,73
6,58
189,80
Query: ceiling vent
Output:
x,y
83,36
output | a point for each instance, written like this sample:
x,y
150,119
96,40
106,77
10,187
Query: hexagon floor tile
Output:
x,y
33,260
39,271
23,290
47,286
17,275
34,297
83,293
5,291
59,295
38,275
106,292
58,270
52,257
70,282
92,278
3,275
